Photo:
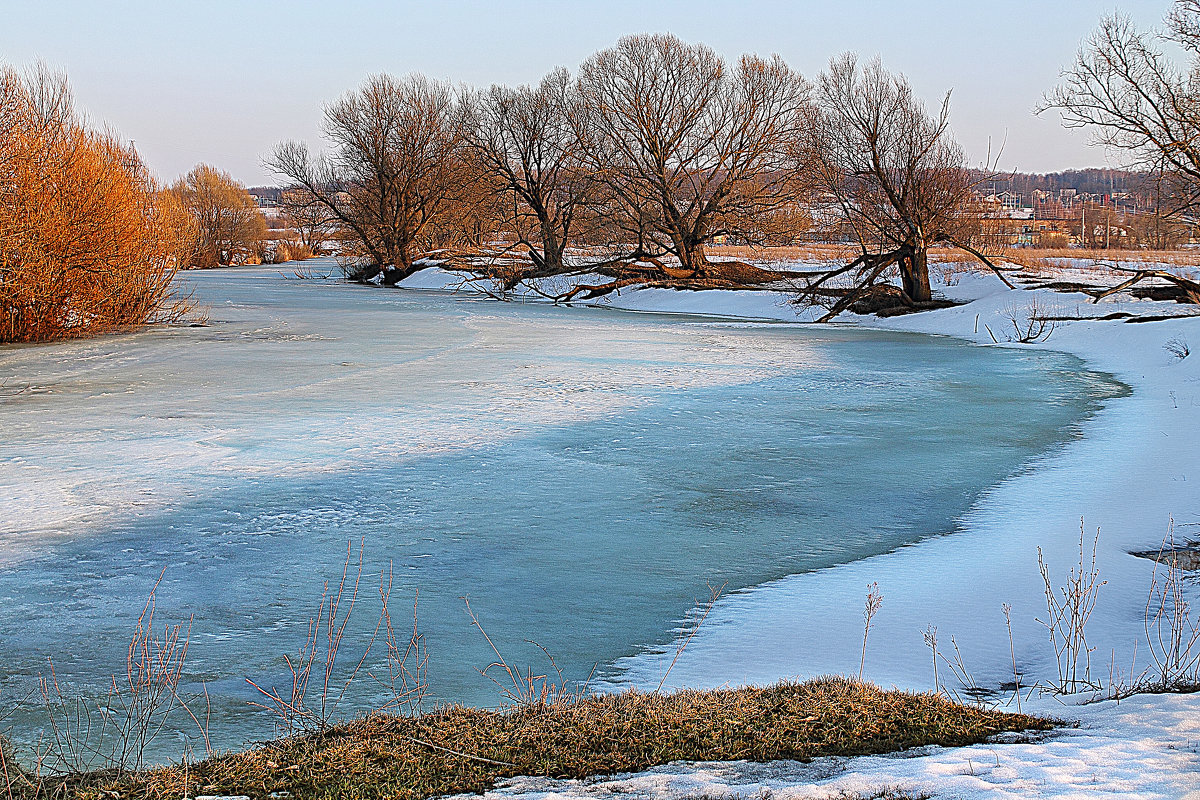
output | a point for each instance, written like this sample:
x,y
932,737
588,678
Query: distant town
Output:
x,y
1092,208
1088,208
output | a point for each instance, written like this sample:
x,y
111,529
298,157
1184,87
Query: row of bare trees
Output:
x,y
655,149
88,242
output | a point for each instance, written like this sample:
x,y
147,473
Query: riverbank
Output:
x,y
457,749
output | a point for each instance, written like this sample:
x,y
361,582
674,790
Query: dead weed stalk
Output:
x,y
115,731
407,679
305,707
1068,609
870,609
1171,632
699,614
527,689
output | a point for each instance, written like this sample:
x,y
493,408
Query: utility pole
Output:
x,y
1109,221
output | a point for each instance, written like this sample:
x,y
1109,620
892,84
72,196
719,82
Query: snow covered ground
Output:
x,y
1132,471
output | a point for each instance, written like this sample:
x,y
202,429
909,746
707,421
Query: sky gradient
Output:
x,y
222,82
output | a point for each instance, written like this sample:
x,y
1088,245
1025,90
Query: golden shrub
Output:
x,y
230,229
88,242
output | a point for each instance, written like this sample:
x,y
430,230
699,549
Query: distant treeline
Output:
x,y
1085,181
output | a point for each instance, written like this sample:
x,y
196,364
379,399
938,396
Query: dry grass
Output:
x,y
1179,258
460,750
1026,257
817,252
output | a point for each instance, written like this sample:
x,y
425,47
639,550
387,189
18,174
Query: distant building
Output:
x,y
1004,200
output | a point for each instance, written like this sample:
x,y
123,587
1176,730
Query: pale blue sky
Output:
x,y
221,82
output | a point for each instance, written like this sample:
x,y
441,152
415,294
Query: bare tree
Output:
x,y
395,164
892,173
688,149
230,228
1131,95
472,215
525,139
312,221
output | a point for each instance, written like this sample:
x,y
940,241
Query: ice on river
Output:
x,y
581,474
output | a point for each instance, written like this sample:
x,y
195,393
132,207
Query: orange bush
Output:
x,y
229,228
88,242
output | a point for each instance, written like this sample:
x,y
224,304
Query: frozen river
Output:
x,y
580,474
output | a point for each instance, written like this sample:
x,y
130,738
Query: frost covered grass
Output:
x,y
464,750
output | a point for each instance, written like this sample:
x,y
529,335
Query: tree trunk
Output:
x,y
691,256
401,266
552,251
914,272
699,258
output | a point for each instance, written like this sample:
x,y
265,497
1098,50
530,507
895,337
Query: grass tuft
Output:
x,y
459,750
